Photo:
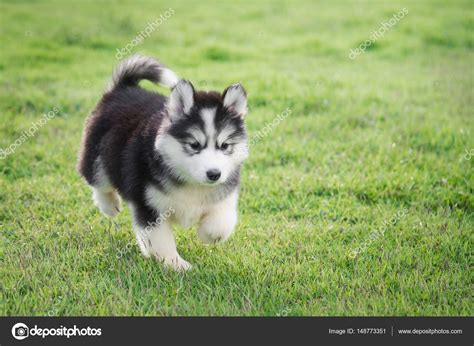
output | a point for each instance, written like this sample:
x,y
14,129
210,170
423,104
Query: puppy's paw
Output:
x,y
108,203
212,235
210,238
217,226
176,263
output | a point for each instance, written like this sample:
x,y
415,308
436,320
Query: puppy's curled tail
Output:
x,y
132,70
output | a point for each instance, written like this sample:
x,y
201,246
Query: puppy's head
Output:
x,y
204,141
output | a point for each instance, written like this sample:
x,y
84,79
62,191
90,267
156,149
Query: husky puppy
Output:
x,y
174,160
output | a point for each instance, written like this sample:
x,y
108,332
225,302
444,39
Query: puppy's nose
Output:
x,y
213,174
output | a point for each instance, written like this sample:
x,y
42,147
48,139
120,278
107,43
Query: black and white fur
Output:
x,y
181,154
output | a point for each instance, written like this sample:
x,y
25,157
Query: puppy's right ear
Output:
x,y
181,99
235,98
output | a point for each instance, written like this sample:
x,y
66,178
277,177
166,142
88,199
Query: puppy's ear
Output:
x,y
235,98
181,99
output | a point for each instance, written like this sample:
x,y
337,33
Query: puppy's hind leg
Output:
x,y
103,193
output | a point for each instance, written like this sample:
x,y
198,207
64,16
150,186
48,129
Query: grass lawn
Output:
x,y
359,202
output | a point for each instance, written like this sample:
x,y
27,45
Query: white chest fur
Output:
x,y
189,204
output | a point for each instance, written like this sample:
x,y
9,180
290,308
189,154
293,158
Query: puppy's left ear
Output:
x,y
181,99
235,98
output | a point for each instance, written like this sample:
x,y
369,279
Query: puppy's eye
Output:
x,y
224,146
195,145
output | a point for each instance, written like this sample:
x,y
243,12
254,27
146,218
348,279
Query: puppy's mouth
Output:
x,y
212,183
203,182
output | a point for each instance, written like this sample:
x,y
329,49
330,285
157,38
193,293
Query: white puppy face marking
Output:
x,y
205,141
208,156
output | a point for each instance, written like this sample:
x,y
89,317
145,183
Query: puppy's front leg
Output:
x,y
219,223
155,238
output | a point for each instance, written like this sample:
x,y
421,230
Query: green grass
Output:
x,y
365,139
